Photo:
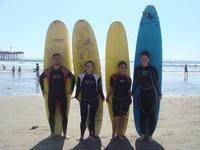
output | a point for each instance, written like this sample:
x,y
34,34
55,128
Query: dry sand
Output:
x,y
178,127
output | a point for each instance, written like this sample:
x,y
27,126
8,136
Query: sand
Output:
x,y
178,127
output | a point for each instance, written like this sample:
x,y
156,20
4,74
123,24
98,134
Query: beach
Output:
x,y
178,126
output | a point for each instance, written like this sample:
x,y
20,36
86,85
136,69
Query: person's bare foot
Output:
x,y
52,135
92,138
121,137
141,138
150,139
80,139
65,136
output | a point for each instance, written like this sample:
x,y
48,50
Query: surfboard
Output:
x,y
116,51
149,38
57,41
85,48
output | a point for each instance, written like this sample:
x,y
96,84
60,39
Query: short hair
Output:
x,y
145,53
89,62
122,63
55,54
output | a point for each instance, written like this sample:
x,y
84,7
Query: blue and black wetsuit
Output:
x,y
90,88
121,85
146,79
57,79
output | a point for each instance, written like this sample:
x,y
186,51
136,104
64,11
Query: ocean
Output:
x,y
174,81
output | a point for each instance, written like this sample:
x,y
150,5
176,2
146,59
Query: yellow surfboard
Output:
x,y
57,41
84,49
116,51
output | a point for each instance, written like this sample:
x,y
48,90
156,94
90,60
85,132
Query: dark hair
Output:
x,y
55,54
122,63
145,53
89,62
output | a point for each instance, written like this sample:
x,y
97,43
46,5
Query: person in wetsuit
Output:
x,y
120,85
89,87
186,70
57,79
145,76
37,70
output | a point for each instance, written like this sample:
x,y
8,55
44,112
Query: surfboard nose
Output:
x,y
150,12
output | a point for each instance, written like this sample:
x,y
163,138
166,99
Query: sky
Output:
x,y
24,23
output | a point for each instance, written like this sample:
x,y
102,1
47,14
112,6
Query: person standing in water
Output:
x,y
13,69
120,85
145,76
37,70
19,69
89,85
186,70
57,77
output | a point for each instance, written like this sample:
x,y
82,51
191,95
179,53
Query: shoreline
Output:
x,y
178,126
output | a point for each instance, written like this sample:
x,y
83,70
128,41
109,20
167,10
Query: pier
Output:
x,y
11,55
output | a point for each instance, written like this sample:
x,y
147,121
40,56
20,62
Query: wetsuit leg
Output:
x,y
52,108
63,104
84,111
93,109
125,107
152,122
116,107
147,100
143,121
146,104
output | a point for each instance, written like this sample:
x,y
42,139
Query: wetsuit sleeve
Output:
x,y
71,76
129,84
155,81
111,82
135,80
78,88
41,78
100,90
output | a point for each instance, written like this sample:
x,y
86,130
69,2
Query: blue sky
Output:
x,y
24,23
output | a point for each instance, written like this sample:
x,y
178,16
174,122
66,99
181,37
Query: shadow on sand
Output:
x,y
54,143
143,145
88,144
119,145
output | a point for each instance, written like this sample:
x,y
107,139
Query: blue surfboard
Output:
x,y
149,38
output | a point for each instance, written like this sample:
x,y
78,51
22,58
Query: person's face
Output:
x,y
122,69
144,60
56,60
89,68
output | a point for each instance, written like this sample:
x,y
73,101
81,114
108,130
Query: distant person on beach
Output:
x,y
186,70
120,85
3,67
57,77
89,85
146,77
19,69
37,70
13,69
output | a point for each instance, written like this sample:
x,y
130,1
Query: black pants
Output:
x,y
147,105
52,108
91,108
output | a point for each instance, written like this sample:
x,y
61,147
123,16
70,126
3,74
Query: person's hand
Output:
x,y
44,93
103,98
160,97
107,99
77,98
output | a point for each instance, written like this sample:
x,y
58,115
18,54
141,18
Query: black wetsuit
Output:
x,y
121,94
147,80
90,87
57,79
